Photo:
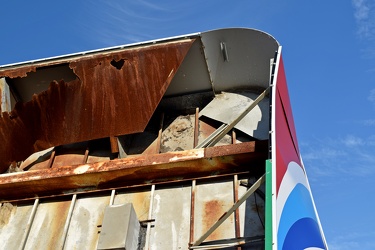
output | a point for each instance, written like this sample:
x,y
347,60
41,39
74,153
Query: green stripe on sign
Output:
x,y
268,222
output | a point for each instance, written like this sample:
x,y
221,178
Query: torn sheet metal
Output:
x,y
226,107
114,93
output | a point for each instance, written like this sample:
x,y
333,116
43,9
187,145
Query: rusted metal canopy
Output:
x,y
134,171
113,93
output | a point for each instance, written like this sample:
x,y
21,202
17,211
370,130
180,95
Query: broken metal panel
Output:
x,y
98,103
38,160
225,107
247,61
37,81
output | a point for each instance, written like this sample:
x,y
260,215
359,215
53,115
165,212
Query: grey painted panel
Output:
x,y
192,75
247,65
120,229
243,63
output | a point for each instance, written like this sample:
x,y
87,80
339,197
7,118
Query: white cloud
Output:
x,y
361,9
365,18
349,156
353,240
351,141
371,97
123,22
368,122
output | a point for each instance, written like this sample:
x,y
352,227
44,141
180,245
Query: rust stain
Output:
x,y
114,94
141,203
211,210
59,213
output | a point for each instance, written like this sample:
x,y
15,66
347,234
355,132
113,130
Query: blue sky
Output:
x,y
328,50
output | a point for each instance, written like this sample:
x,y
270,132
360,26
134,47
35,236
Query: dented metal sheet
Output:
x,y
113,94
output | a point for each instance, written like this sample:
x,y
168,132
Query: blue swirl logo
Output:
x,y
298,226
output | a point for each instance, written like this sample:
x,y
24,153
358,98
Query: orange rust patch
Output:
x,y
212,211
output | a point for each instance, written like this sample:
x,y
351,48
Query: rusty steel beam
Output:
x,y
113,93
133,171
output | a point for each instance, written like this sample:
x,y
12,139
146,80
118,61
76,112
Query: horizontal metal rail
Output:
x,y
219,244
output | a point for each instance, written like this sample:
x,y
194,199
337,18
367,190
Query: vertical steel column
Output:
x,y
149,218
52,158
237,228
193,182
112,199
29,223
71,207
192,208
150,211
68,220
